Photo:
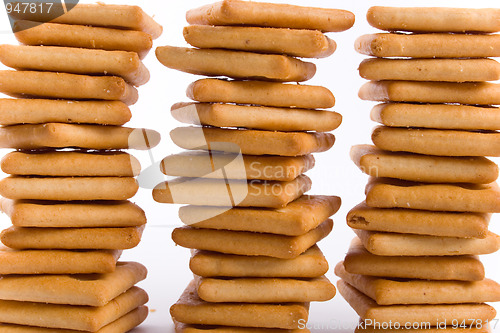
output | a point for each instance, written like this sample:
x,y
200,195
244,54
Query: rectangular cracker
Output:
x,y
481,93
392,292
234,193
367,309
236,64
420,222
68,188
250,243
297,218
429,45
37,111
66,86
439,116
90,290
252,142
422,168
392,244
449,70
233,166
391,193
190,309
264,290
310,264
23,213
460,268
434,19
235,12
57,261
261,93
447,329
76,61
57,135
71,163
122,325
100,15
72,238
294,42
83,318
437,142
81,36
185,328
256,117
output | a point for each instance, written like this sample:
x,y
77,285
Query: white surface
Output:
x,y
334,173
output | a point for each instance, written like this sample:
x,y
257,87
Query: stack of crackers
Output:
x,y
428,203
67,194
252,231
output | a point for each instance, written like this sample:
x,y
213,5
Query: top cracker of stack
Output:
x,y
74,80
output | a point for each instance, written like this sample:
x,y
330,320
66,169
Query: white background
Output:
x,y
334,173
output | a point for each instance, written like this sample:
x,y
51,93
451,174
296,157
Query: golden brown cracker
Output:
x,y
236,64
256,117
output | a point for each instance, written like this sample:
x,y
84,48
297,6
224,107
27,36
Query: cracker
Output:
x,y
90,290
73,317
392,244
81,36
261,93
434,19
57,261
256,117
297,218
67,86
100,15
437,142
482,93
367,309
57,135
185,328
37,111
25,213
235,12
68,188
71,163
252,142
235,64
124,324
450,70
448,329
235,193
250,243
389,193
77,61
390,292
422,168
264,290
294,42
420,222
310,264
460,268
232,166
438,116
190,309
72,238
429,45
